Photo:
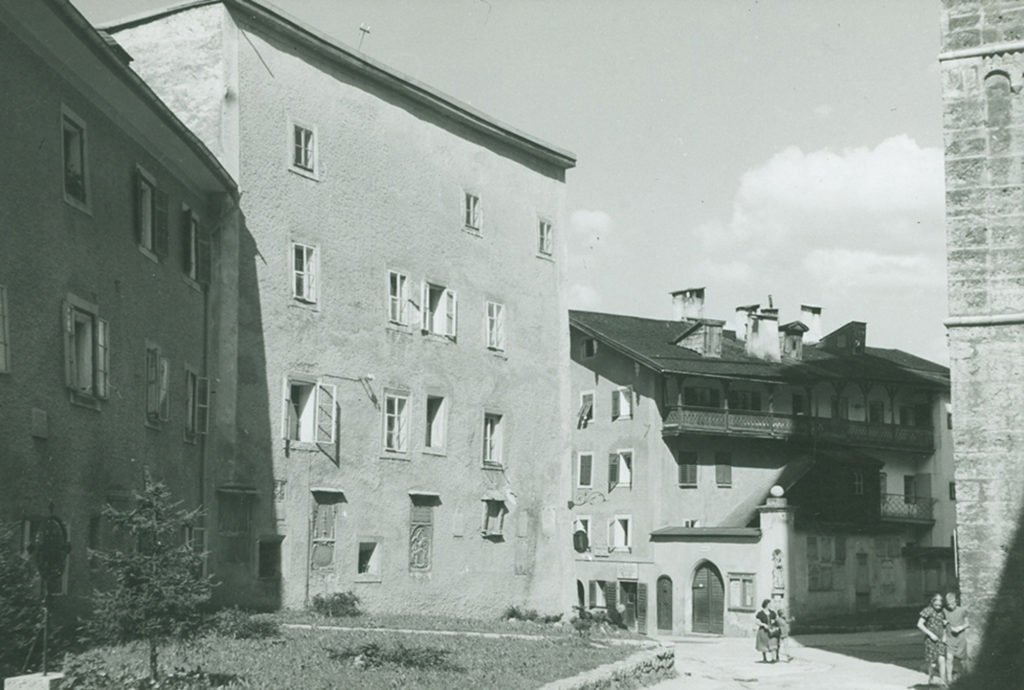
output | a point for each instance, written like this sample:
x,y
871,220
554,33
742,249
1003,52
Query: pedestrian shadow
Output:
x,y
911,659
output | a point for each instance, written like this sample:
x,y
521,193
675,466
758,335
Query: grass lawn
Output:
x,y
316,660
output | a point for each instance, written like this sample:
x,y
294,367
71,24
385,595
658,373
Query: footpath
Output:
x,y
729,663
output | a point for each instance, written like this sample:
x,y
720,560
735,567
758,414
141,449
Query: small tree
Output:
x,y
20,605
158,587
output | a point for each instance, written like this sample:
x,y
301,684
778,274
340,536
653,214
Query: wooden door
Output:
x,y
628,601
708,600
664,597
862,583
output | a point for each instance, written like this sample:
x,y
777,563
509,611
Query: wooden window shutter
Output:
x,y
160,222
611,596
186,243
425,306
138,210
613,470
451,313
165,389
204,257
102,384
326,413
641,608
70,361
615,404
202,405
591,593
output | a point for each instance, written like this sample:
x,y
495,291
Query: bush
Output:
x,y
241,625
514,613
337,605
20,610
90,671
373,655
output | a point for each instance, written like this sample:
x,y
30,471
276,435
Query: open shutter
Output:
x,y
631,402
137,195
425,306
160,218
615,404
289,412
326,413
165,389
451,313
641,608
187,242
591,593
68,328
202,405
499,327
102,359
611,597
204,259
152,384
613,470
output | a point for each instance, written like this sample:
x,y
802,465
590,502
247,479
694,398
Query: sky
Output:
x,y
786,147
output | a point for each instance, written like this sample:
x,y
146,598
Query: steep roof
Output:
x,y
350,58
651,342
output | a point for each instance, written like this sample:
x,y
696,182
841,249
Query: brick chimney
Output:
x,y
688,304
810,315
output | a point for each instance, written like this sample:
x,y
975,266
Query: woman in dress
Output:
x,y
956,636
932,622
767,642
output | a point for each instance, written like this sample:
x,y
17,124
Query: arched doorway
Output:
x,y
708,600
581,594
664,598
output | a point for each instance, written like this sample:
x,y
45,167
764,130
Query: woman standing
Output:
x,y
932,622
767,642
956,638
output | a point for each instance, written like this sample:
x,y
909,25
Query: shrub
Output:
x,y
241,625
514,613
337,605
20,610
374,655
90,671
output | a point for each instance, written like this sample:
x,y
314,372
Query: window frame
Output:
x,y
405,416
447,310
619,395
721,480
313,172
472,213
488,528
744,579
375,569
329,509
586,415
310,273
159,387
588,348
275,541
858,482
618,460
491,448
442,413
680,464
322,396
398,305
191,241
99,352
197,404
545,238
579,469
67,115
157,211
613,525
5,333
495,322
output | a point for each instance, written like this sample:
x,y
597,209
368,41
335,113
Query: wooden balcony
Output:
x,y
707,420
901,508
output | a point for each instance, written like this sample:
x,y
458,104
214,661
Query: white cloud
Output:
x,y
822,110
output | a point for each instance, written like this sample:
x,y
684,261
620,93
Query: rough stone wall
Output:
x,y
636,671
80,457
984,136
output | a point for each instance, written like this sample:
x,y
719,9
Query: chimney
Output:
x,y
791,337
743,318
688,304
811,317
763,335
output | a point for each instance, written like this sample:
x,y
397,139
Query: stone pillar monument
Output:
x,y
775,561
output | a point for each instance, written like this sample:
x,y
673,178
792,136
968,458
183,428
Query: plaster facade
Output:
x,y
981,62
77,282
386,194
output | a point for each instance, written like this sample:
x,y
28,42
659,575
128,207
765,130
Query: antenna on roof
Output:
x,y
363,30
770,305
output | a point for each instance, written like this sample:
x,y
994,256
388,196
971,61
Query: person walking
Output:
x,y
956,637
932,622
783,622
766,641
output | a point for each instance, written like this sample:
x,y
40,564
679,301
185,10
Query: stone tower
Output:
x,y
982,65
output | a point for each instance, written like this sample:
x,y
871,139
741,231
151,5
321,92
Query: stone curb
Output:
x,y
637,670
453,633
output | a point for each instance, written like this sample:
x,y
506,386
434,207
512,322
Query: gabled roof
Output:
x,y
651,342
344,56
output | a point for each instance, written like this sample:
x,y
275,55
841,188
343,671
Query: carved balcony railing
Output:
x,y
773,425
902,508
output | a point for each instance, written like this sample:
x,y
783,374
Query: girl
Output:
x,y
932,622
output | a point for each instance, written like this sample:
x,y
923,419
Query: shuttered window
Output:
x,y
687,466
723,469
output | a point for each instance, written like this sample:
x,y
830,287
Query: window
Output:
x,y
305,273
597,594
582,523
949,420
821,552
473,212
158,384
268,558
702,396
723,469
585,415
492,454
620,534
909,489
150,215
325,518
742,595
421,534
436,423
368,564
858,483
622,403
195,249
799,404
495,326
883,482
235,526
745,400
310,411
438,310
588,348
398,298
396,423
303,149
840,407
76,188
620,469
906,415
952,491
585,470
5,333
545,245
876,411
687,461
494,518
197,404
86,351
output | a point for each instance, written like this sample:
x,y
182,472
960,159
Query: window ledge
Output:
x,y
84,400
438,452
77,205
623,419
191,282
546,257
589,487
293,444
302,172
395,455
493,466
724,486
687,486
155,425
396,327
297,303
148,253
191,437
473,232
367,579
430,336
498,353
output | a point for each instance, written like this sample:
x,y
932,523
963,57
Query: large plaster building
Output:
x,y
115,222
982,61
683,429
402,407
